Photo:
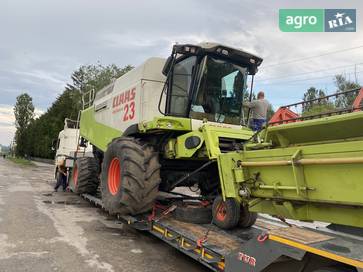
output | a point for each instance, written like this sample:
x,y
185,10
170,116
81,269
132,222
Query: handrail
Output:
x,y
321,161
322,98
88,98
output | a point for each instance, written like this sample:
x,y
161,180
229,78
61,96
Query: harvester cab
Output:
x,y
207,82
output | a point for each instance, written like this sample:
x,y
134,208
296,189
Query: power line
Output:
x,y
308,79
311,72
315,56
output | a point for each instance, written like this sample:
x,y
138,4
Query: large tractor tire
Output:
x,y
130,177
84,176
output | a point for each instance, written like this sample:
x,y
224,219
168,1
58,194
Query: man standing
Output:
x,y
61,177
259,109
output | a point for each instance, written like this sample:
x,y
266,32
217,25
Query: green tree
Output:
x,y
43,130
320,105
346,100
24,114
95,77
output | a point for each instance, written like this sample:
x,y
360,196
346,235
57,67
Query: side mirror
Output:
x,y
167,65
83,142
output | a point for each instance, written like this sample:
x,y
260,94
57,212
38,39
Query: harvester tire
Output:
x,y
84,176
194,214
130,177
226,214
247,218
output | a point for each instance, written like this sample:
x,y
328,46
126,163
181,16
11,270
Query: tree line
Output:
x,y
34,136
323,105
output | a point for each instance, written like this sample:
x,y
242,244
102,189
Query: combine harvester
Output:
x,y
194,135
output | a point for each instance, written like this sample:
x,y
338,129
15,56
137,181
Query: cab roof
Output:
x,y
236,55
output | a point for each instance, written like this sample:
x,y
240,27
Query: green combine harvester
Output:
x,y
180,122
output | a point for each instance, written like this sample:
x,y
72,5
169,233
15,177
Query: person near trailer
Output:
x,y
61,177
259,108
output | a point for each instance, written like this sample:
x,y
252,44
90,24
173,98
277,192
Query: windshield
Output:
x,y
220,92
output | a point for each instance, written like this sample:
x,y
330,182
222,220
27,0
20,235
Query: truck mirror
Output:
x,y
83,142
167,65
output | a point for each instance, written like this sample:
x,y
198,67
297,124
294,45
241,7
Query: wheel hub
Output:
x,y
114,176
221,211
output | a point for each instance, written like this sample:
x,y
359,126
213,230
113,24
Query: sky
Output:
x,y
42,42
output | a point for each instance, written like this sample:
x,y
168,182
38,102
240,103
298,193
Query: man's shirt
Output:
x,y
259,108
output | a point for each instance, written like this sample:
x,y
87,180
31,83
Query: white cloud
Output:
x,y
7,123
42,75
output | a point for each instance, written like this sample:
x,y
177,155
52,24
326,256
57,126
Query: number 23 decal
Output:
x,y
129,111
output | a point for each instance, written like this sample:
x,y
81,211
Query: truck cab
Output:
x,y
67,146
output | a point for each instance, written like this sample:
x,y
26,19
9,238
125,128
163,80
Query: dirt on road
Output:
x,y
45,231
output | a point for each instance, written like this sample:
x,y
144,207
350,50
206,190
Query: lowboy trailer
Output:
x,y
269,245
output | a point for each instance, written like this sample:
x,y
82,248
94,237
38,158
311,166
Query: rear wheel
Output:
x,y
130,176
84,176
226,214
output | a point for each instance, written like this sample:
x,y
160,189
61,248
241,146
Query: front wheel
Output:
x,y
226,213
130,177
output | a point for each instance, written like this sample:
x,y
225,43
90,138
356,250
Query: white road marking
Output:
x,y
65,222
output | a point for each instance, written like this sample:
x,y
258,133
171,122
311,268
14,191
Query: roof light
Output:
x,y
222,51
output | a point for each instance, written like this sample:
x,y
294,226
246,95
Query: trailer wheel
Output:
x,y
247,218
130,177
226,213
84,176
194,214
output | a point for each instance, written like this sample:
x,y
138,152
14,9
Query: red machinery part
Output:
x,y
283,115
357,104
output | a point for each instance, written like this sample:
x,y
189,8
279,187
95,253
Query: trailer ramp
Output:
x,y
269,245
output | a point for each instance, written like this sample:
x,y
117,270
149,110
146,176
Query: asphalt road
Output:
x,y
45,231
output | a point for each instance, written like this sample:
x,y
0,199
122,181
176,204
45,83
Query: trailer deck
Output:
x,y
270,245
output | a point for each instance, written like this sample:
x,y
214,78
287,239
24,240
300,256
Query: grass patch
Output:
x,y
21,161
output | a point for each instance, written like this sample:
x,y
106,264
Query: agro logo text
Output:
x,y
299,21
